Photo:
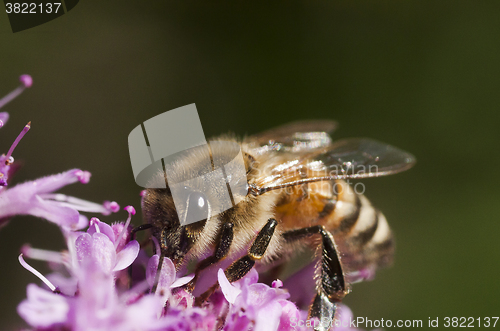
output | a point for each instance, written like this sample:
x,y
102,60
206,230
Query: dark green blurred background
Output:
x,y
421,75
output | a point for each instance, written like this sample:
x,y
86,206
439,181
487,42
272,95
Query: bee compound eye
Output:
x,y
197,207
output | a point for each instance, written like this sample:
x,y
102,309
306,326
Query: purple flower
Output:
x,y
37,197
7,160
91,298
255,305
102,247
96,307
94,302
42,308
166,280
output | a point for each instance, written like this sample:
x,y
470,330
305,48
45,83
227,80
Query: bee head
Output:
x,y
196,188
159,210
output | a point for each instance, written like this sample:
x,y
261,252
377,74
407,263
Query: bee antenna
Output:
x,y
254,190
141,227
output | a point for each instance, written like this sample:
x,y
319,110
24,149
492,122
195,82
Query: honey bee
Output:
x,y
295,195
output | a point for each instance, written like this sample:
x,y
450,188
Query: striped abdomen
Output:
x,y
361,232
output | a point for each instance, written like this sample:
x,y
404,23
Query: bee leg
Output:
x,y
226,238
242,266
331,283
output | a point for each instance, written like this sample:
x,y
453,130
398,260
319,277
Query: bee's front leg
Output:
x,y
242,266
224,243
331,283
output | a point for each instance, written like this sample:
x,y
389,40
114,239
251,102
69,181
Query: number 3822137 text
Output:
x,y
32,8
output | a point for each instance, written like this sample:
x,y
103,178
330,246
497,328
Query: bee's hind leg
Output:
x,y
242,266
331,283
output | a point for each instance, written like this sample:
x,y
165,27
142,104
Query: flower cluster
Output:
x,y
103,280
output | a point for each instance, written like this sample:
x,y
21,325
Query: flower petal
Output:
x,y
83,222
230,292
289,313
238,322
96,249
142,315
103,228
52,211
151,269
364,274
167,275
4,117
268,319
54,182
103,252
250,278
182,299
258,295
66,285
165,279
23,200
83,245
182,281
127,255
42,308
277,283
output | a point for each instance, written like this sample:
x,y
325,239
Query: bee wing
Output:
x,y
293,137
348,158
